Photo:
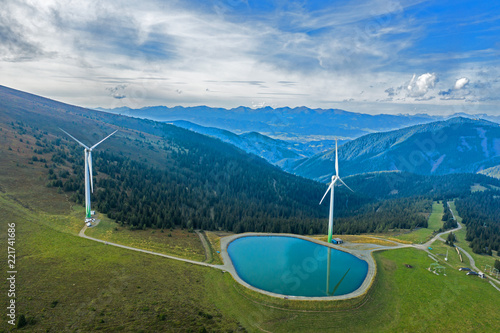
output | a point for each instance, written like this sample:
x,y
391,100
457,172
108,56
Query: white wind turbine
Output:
x,y
331,187
89,186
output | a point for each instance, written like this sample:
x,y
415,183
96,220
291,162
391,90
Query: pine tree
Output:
x,y
22,321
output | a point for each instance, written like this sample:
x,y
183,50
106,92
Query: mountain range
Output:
x,y
156,175
299,124
278,152
457,145
284,136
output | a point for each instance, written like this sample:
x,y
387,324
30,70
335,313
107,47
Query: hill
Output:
x,y
272,150
395,184
492,172
154,174
453,146
67,283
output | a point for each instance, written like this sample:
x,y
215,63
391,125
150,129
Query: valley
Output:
x,y
156,184
250,166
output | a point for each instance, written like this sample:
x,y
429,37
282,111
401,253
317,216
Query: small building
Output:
x,y
337,241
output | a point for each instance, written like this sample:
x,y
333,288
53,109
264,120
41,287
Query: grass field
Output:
x,y
402,300
424,234
214,241
176,242
439,251
358,239
67,283
477,188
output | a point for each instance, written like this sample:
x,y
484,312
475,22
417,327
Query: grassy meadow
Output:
x,y
422,235
68,284
175,242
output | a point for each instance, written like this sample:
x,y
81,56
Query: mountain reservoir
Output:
x,y
294,266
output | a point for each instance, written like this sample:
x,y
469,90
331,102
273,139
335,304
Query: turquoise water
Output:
x,y
296,267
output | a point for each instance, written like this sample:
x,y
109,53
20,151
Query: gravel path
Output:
x,y
208,252
82,234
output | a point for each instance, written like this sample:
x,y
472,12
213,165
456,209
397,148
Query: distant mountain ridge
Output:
x,y
285,134
299,124
453,146
155,175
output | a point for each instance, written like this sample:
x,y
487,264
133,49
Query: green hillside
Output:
x,y
492,172
66,283
454,146
157,175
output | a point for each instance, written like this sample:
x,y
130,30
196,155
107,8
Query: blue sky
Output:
x,y
364,56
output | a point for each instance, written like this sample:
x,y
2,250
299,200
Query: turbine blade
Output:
x,y
336,159
102,140
338,284
328,189
90,172
345,184
81,144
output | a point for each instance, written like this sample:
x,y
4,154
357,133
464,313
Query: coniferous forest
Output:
x,y
206,189
481,214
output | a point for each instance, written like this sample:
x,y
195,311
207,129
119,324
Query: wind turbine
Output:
x,y
89,186
331,187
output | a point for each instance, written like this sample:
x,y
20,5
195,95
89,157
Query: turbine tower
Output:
x,y
89,186
331,187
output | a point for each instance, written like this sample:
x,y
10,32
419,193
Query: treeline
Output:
x,y
213,186
224,197
402,213
449,221
480,212
217,192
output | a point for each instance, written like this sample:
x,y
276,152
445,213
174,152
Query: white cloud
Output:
x,y
418,87
462,82
154,52
118,91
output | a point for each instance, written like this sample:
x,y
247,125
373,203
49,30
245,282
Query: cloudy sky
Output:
x,y
374,56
